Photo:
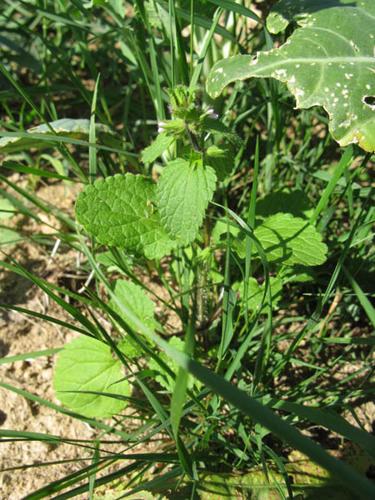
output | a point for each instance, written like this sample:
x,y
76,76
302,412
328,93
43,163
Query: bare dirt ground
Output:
x,y
21,334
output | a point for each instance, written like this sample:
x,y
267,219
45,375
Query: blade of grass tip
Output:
x,y
337,174
203,52
57,18
28,355
56,486
7,435
35,200
61,139
236,7
95,460
92,134
363,300
70,309
350,340
44,317
44,464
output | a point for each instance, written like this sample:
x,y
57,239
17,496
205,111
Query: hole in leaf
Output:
x,y
369,100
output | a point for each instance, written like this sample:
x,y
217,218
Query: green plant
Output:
x,y
213,253
319,73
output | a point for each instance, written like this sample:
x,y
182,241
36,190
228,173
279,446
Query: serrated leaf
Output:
x,y
86,364
157,148
329,61
133,297
119,211
290,240
183,194
68,127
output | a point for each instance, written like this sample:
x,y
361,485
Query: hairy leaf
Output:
x,y
183,194
86,364
119,211
328,61
291,240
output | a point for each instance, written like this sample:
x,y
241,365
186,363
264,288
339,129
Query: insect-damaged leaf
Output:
x,y
87,365
328,61
119,211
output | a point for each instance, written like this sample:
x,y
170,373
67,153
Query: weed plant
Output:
x,y
225,249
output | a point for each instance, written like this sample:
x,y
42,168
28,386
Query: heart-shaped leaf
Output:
x,y
328,61
87,365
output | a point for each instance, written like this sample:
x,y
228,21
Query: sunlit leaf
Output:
x,y
328,61
86,364
119,211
